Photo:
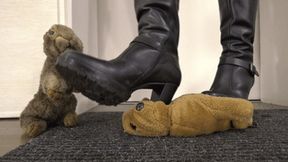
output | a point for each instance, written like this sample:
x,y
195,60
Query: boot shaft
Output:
x,y
235,74
158,23
238,28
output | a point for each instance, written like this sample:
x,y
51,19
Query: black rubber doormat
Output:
x,y
99,137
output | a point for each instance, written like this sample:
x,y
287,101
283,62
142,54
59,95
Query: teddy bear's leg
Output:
x,y
70,119
33,127
242,124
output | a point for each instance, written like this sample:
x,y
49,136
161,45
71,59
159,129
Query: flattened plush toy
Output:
x,y
188,115
54,102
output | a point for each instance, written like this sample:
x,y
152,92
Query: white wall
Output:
x,y
22,27
199,46
274,51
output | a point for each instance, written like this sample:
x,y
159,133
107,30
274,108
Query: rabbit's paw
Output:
x,y
54,95
35,128
70,120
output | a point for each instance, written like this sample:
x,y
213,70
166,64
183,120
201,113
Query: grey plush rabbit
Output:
x,y
54,103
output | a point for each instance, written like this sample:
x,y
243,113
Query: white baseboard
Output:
x,y
11,114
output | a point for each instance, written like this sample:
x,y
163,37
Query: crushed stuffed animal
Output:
x,y
188,115
54,103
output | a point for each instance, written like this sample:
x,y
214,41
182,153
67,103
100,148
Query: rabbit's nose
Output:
x,y
61,43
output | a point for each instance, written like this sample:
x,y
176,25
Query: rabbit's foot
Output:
x,y
70,120
35,128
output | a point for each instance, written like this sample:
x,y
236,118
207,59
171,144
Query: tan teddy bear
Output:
x,y
188,115
54,102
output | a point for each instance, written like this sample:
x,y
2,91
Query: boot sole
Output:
x,y
211,93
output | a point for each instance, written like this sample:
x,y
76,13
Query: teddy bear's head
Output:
x,y
58,38
147,118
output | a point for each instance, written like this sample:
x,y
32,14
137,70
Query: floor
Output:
x,y
10,131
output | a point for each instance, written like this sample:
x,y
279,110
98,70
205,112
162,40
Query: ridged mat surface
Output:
x,y
99,137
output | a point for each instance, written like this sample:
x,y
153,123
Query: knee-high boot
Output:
x,y
235,74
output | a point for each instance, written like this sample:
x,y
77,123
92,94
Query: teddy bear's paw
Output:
x,y
242,124
54,95
36,128
70,120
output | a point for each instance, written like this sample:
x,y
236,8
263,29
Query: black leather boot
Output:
x,y
235,74
150,61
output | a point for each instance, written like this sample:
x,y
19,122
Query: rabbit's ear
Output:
x,y
76,44
61,44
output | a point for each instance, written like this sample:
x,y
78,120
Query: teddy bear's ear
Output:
x,y
161,112
145,99
160,104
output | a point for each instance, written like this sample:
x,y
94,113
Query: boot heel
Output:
x,y
164,92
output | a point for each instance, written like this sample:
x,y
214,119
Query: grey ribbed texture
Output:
x,y
99,137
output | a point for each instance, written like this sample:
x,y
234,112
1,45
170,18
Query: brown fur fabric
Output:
x,y
54,102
